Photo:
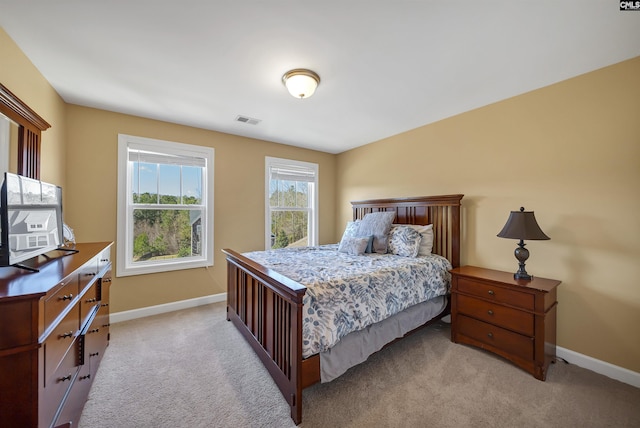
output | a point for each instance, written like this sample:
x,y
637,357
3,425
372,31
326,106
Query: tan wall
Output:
x,y
21,77
571,153
238,202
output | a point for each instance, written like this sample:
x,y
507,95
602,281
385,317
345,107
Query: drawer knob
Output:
x,y
63,378
490,335
490,312
66,297
65,335
491,292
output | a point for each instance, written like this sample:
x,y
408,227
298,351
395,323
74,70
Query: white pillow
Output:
x,y
426,244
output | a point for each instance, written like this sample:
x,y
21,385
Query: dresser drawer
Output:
x,y
496,337
503,316
88,273
89,301
72,407
59,341
60,300
96,340
58,385
495,293
104,258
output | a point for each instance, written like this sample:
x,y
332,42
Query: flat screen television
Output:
x,y
30,219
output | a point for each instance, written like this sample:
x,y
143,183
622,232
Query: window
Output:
x,y
165,206
291,203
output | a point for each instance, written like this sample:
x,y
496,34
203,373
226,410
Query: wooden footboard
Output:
x,y
266,307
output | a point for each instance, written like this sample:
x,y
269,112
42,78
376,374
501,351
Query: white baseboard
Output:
x,y
167,307
599,366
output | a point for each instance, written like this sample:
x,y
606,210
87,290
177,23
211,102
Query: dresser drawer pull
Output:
x,y
491,292
490,335
95,330
66,297
104,260
106,325
90,274
95,354
85,377
104,304
63,378
490,312
65,335
91,300
106,279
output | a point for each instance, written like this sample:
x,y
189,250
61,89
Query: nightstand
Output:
x,y
513,318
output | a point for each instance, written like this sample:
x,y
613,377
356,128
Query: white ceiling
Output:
x,y
386,66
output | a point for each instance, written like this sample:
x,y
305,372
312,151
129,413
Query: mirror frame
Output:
x,y
30,133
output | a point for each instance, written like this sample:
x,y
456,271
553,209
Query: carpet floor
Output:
x,y
191,368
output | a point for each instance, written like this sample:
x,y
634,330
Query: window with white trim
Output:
x,y
291,203
165,206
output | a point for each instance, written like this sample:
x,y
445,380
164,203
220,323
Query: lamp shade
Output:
x,y
301,83
522,225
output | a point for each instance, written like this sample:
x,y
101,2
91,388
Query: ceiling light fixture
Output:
x,y
301,83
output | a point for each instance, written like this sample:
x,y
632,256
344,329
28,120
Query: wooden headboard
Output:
x,y
441,211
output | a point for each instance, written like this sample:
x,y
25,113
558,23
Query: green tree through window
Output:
x,y
167,207
291,203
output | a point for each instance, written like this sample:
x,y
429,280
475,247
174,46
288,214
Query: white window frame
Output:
x,y
313,196
124,256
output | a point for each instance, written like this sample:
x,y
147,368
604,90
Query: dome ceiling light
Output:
x,y
300,82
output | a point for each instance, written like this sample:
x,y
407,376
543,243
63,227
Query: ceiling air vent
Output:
x,y
246,119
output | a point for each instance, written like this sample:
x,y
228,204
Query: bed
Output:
x,y
267,306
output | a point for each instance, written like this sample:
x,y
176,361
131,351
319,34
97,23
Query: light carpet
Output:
x,y
192,368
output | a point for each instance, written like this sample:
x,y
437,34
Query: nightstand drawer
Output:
x,y
498,294
496,337
513,319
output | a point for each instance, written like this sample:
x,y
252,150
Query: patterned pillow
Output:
x,y
352,245
351,231
404,241
426,244
377,224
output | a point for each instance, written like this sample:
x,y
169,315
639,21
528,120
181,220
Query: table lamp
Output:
x,y
522,225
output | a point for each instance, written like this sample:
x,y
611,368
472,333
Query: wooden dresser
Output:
x,y
54,329
515,319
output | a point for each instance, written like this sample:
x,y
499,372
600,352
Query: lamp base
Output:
x,y
525,275
522,254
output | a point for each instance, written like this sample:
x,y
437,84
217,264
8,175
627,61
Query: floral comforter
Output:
x,y
347,293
